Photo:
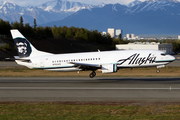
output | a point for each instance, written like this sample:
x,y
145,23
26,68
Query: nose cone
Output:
x,y
171,58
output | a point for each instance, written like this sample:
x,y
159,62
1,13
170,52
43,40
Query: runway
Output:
x,y
84,89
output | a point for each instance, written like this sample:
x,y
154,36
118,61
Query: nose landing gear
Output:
x,y
93,74
161,66
158,71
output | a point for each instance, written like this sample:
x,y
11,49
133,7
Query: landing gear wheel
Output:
x,y
158,71
93,74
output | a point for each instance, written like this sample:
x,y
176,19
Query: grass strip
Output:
x,y
124,72
54,111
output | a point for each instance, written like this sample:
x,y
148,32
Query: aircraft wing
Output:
x,y
85,65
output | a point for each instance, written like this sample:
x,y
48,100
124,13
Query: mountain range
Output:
x,y
47,12
148,17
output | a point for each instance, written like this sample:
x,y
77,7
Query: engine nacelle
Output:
x,y
109,68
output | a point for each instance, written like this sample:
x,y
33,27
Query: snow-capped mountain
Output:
x,y
136,2
148,17
63,5
154,5
10,12
47,12
159,16
9,8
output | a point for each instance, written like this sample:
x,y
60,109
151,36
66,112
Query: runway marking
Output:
x,y
81,88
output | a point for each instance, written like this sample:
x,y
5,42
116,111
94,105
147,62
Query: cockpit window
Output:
x,y
164,54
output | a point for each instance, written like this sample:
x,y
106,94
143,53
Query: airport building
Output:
x,y
168,48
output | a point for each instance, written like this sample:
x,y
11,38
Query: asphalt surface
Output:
x,y
84,89
175,63
79,89
10,64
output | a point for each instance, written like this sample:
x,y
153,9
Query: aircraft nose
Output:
x,y
172,57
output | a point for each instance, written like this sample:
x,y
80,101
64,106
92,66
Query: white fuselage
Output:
x,y
125,58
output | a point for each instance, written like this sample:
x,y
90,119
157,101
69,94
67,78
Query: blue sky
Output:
x,y
38,2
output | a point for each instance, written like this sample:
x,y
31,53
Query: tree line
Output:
x,y
72,33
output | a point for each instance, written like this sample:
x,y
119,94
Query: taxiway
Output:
x,y
86,89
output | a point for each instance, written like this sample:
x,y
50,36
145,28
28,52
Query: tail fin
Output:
x,y
23,46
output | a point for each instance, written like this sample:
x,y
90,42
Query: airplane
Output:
x,y
106,61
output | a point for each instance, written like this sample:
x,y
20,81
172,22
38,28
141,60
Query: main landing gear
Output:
x,y
93,74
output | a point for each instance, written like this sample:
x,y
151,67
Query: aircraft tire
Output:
x,y
158,71
93,74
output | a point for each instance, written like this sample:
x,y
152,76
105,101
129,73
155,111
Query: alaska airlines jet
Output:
x,y
108,61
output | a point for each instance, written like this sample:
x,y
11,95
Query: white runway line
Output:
x,y
81,88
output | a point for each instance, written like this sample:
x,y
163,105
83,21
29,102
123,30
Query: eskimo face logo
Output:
x,y
22,47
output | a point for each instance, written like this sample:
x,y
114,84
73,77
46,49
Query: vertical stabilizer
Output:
x,y
23,46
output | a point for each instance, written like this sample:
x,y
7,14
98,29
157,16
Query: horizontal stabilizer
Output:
x,y
13,59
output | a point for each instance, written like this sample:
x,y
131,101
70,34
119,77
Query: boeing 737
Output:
x,y
107,61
